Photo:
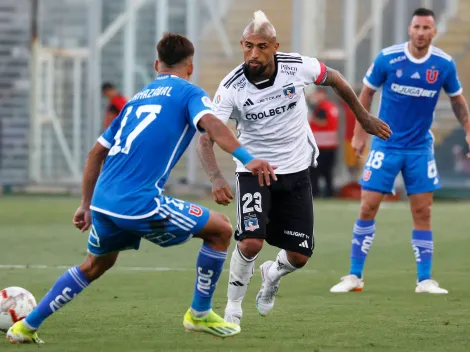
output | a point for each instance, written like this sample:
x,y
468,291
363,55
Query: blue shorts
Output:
x,y
417,167
175,223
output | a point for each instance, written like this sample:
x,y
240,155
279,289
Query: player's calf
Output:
x,y
68,286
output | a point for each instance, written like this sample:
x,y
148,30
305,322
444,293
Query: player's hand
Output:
x,y
82,218
467,138
359,144
221,190
375,126
264,171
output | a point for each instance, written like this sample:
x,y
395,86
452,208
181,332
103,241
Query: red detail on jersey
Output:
x,y
366,175
322,74
4,294
431,75
195,210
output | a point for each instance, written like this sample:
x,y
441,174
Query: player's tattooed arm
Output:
x,y
220,187
369,123
205,150
461,111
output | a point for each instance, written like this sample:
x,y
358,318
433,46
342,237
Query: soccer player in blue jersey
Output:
x,y
411,75
123,200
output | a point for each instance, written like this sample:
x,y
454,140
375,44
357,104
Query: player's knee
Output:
x,y
94,267
296,259
368,210
250,247
422,212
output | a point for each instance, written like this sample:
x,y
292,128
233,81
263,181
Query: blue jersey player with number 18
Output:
x,y
139,150
411,75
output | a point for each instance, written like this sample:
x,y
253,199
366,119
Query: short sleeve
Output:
x,y
223,103
376,74
107,138
312,71
199,104
452,84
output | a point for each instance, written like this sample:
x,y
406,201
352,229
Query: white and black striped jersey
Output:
x,y
271,115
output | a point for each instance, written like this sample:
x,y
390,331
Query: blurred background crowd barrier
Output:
x,y
55,55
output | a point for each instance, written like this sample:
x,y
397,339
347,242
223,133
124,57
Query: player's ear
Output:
x,y
276,47
434,32
409,31
241,44
156,65
190,69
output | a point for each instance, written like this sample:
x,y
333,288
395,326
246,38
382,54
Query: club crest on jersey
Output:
x,y
431,76
366,175
289,92
251,224
217,99
399,73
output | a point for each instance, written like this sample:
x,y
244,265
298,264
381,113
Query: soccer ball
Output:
x,y
15,304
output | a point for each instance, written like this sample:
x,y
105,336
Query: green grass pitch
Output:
x,y
136,307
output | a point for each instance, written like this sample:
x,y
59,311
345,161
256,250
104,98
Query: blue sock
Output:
x,y
67,286
363,236
423,247
208,269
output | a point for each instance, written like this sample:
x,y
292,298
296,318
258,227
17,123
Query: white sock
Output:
x,y
241,271
281,267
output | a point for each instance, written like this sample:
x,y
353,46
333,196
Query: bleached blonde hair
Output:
x,y
260,25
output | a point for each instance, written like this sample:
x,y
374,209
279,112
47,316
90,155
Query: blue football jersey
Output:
x,y
145,142
410,90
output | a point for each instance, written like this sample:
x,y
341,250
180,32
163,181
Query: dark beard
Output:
x,y
256,74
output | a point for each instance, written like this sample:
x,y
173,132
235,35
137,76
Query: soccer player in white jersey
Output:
x,y
412,75
266,95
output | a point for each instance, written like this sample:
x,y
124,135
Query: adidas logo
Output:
x,y
248,102
236,283
304,244
416,75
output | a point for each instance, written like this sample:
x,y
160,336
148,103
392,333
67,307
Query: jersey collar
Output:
x,y
264,84
415,60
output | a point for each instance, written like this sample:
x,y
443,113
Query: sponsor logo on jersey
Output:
x,y
416,75
270,98
399,73
397,59
370,70
240,85
366,175
271,112
288,70
431,76
217,99
413,91
289,91
295,234
251,223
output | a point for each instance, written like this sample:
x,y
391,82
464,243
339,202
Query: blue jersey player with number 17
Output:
x,y
411,75
139,150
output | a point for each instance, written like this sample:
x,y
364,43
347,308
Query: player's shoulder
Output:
x,y
233,76
440,54
396,49
293,58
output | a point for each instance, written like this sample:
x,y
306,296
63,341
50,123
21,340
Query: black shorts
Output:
x,y
282,213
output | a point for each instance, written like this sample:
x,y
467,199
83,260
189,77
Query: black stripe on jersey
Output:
x,y
232,79
290,60
288,57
